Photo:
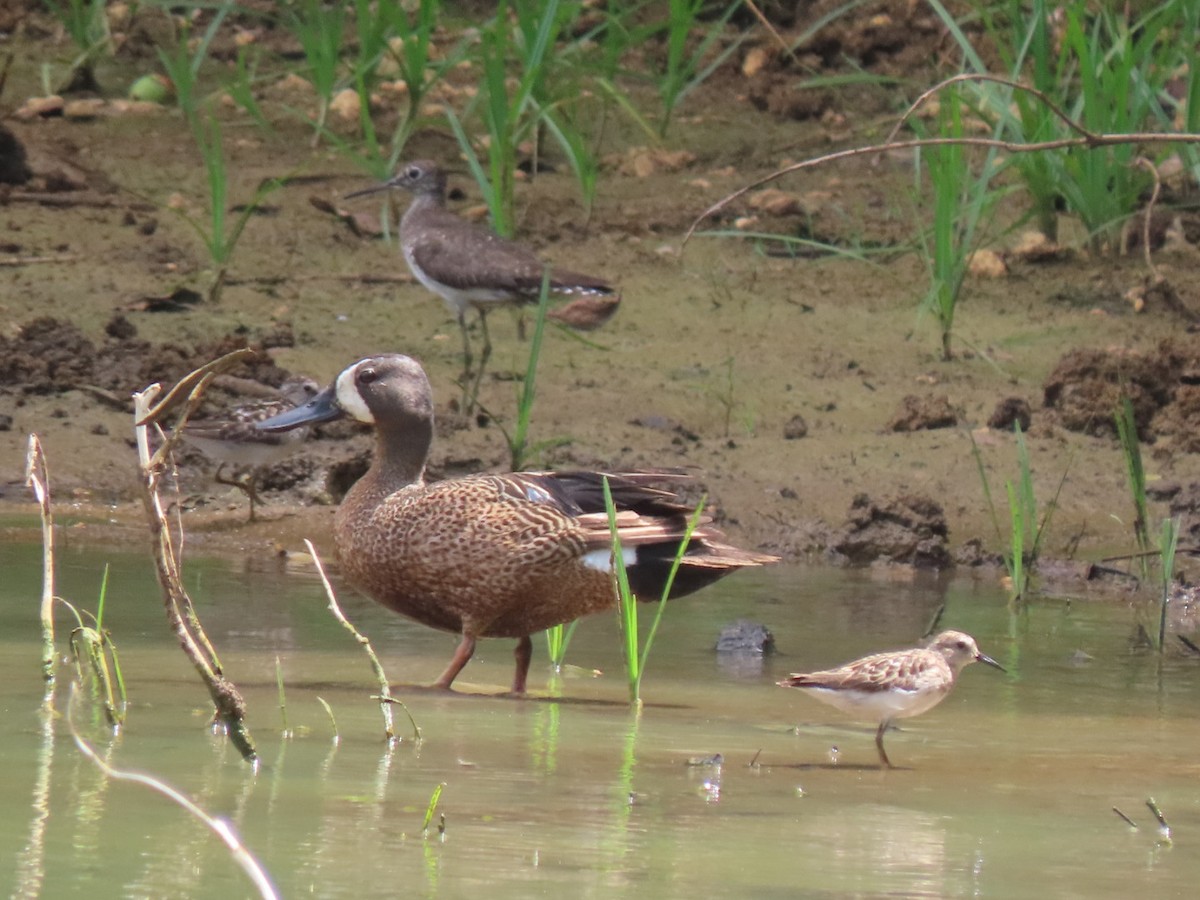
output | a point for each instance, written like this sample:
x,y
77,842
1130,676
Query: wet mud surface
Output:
x,y
806,393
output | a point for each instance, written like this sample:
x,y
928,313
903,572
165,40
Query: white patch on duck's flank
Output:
x,y
600,559
350,399
536,494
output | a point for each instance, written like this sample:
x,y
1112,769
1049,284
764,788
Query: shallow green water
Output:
x,y
1005,789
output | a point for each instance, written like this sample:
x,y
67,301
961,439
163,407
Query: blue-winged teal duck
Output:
x,y
232,439
470,266
895,685
493,555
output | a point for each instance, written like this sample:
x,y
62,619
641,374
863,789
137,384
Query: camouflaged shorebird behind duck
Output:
x,y
494,555
232,440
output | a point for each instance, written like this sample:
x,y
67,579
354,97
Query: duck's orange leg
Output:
x,y
523,654
462,656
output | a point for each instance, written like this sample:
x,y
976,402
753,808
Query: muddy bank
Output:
x,y
792,387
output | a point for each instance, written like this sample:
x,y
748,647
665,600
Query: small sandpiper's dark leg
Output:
x,y
883,757
462,656
523,654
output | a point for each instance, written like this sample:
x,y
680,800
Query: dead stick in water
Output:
x,y
37,476
1164,830
1128,821
385,697
181,614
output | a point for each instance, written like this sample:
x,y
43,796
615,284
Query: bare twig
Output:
x,y
181,614
766,23
37,476
1128,821
1164,830
995,79
220,827
385,693
1084,138
1188,642
15,261
1144,163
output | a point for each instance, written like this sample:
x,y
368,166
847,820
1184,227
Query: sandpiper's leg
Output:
x,y
883,757
523,654
243,482
465,378
462,656
484,355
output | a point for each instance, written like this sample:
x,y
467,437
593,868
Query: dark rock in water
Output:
x,y
744,636
911,529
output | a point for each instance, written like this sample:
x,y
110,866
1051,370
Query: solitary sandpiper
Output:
x,y
470,266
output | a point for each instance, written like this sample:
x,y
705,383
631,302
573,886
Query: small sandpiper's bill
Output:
x,y
471,267
233,440
894,685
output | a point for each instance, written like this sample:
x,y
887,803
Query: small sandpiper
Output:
x,y
233,440
894,685
471,267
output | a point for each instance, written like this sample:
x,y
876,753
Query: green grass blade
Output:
x,y
670,582
627,612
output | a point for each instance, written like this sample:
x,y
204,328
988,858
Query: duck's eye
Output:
x,y
366,376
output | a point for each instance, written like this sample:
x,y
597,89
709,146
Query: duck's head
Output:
x,y
378,390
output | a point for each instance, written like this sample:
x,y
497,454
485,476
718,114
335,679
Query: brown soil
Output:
x,y
807,394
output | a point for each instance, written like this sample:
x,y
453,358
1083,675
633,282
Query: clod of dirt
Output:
x,y
920,413
14,169
775,202
52,356
1010,411
779,94
1184,503
47,356
910,529
795,428
663,423
974,554
1086,387
120,328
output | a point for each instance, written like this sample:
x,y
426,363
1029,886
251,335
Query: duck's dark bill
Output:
x,y
321,408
